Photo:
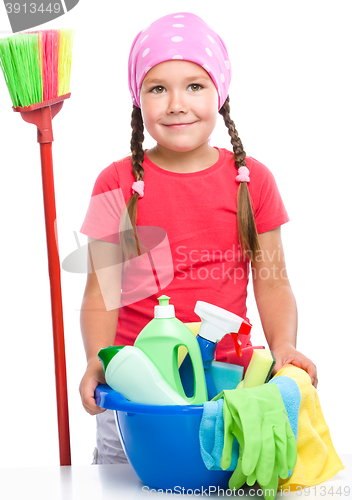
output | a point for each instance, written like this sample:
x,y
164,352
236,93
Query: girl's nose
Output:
x,y
177,103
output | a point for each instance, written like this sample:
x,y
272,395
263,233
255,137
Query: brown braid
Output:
x,y
247,230
129,241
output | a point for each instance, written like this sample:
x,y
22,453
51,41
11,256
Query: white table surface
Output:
x,y
107,482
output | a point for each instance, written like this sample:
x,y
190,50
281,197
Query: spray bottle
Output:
x,y
160,340
216,323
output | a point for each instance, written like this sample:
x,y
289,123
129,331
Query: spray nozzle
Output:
x,y
238,344
217,322
245,329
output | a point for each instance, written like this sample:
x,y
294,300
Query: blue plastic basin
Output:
x,y
162,443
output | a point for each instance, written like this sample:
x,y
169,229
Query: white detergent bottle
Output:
x,y
131,373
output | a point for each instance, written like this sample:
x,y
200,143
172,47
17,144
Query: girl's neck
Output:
x,y
186,161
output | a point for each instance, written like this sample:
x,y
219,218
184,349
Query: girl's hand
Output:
x,y
93,376
289,355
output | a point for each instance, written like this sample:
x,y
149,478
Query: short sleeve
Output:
x,y
105,207
268,206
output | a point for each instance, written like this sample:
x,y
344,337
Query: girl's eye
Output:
x,y
158,89
195,86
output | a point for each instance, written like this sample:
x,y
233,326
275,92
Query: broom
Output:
x,y
37,67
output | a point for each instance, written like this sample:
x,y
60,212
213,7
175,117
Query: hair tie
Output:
x,y
138,187
243,175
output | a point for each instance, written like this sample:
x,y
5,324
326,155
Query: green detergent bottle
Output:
x,y
160,340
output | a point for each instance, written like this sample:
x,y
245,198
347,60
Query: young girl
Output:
x,y
218,212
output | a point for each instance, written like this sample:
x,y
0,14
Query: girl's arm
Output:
x,y
276,304
98,314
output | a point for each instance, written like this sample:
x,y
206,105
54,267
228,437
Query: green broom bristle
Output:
x,y
21,67
28,59
25,52
6,67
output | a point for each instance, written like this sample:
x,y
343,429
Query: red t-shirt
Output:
x,y
187,222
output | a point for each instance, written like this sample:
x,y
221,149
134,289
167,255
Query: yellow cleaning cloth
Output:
x,y
317,460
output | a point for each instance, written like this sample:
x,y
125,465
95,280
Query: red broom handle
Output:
x,y
56,303
41,115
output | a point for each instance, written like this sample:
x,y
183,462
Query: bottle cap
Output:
x,y
107,353
164,309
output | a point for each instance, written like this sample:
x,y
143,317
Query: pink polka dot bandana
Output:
x,y
179,36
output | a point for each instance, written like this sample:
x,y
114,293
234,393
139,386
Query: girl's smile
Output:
x,y
178,126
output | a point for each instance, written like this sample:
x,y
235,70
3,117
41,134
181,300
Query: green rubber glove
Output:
x,y
267,447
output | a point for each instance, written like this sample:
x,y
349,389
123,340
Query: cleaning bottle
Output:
x,y
216,323
160,340
131,373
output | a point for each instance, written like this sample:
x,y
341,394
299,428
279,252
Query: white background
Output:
x,y
291,103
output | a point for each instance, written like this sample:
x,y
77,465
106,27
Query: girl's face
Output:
x,y
179,103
